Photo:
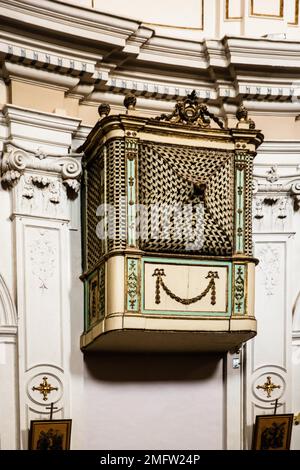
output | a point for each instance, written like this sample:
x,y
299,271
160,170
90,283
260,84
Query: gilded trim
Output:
x,y
132,285
102,290
211,287
296,18
239,288
266,15
227,16
93,303
239,231
131,154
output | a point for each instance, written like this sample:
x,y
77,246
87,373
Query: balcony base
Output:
x,y
168,340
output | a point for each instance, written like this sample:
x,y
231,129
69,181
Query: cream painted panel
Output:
x,y
168,12
234,9
266,7
186,282
31,96
273,125
71,106
115,284
291,11
89,114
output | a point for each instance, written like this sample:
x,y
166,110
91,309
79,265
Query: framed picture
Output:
x,y
272,432
50,435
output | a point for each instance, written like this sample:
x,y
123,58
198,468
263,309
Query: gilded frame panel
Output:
x,y
267,15
227,15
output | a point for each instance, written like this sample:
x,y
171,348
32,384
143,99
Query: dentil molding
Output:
x,y
123,55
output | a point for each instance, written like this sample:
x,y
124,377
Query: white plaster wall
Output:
x,y
76,359
9,423
120,401
139,401
153,402
220,17
168,12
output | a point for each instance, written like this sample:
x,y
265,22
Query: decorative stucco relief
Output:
x,y
41,171
42,257
269,266
276,192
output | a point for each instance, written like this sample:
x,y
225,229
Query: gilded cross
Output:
x,y
268,386
44,388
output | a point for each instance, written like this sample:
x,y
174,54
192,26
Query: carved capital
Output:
x,y
272,188
295,192
13,165
40,170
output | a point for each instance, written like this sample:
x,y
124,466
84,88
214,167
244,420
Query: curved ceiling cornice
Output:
x,y
109,56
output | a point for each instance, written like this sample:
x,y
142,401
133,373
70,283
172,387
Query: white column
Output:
x,y
42,176
273,352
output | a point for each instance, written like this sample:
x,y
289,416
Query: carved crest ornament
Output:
x,y
190,111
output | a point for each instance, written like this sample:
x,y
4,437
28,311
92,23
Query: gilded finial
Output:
x,y
242,113
129,101
242,117
103,110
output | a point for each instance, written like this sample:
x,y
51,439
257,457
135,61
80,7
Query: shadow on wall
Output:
x,y
120,367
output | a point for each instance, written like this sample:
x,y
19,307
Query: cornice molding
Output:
x,y
262,52
69,19
120,55
17,114
280,147
12,71
8,334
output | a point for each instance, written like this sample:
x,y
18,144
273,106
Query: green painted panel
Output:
x,y
240,212
132,284
240,274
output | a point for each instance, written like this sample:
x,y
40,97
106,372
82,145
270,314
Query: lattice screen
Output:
x,y
182,176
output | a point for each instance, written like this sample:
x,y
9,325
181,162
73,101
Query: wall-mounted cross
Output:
x,y
268,386
51,408
45,388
